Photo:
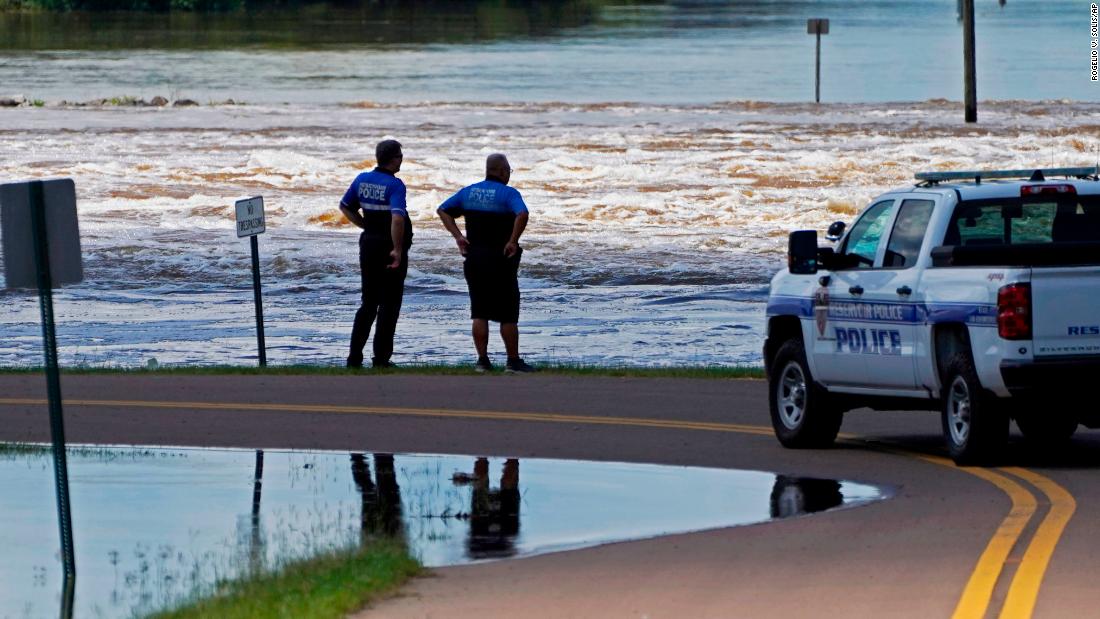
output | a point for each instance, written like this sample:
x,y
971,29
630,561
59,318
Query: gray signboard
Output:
x,y
817,26
58,199
250,217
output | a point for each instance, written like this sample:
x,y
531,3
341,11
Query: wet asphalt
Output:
x,y
910,556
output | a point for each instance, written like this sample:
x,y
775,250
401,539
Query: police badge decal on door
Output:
x,y
821,311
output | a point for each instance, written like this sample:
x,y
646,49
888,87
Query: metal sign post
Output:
x,y
250,223
255,550
818,27
55,252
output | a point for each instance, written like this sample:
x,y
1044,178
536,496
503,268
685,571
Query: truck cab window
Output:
x,y
908,233
1015,221
862,242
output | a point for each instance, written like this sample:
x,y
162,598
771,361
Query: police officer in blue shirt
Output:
x,y
495,218
375,202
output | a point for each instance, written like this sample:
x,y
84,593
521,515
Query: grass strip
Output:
x,y
331,585
17,450
690,371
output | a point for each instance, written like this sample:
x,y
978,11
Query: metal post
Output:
x,y
256,554
257,487
970,97
817,72
259,301
817,26
53,388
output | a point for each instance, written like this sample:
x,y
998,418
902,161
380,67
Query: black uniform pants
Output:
x,y
383,289
493,283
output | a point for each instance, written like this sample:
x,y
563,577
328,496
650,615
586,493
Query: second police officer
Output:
x,y
495,218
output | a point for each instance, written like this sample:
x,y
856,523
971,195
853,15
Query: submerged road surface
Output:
x,y
1012,541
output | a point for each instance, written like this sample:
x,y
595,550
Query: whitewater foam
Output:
x,y
624,198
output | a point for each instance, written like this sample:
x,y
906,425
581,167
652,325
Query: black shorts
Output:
x,y
494,285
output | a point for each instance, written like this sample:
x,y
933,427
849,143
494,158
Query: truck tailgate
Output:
x,y
1066,311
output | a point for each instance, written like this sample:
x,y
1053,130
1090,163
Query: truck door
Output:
x,y
895,301
874,305
838,348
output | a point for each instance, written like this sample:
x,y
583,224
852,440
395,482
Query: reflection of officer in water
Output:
x,y
381,514
494,514
794,496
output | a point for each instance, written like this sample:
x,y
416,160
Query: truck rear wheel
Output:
x,y
802,414
975,429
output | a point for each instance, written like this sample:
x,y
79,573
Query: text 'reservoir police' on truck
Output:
x,y
973,293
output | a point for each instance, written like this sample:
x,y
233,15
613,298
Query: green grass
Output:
x,y
557,369
123,101
22,451
16,450
332,585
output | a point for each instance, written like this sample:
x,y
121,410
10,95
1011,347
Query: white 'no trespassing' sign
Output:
x,y
250,217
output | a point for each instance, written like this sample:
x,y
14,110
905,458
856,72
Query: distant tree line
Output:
x,y
282,24
120,5
220,6
135,5
213,6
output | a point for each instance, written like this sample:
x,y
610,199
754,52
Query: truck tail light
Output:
x,y
1014,312
1039,190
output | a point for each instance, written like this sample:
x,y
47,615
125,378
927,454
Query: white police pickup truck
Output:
x,y
974,293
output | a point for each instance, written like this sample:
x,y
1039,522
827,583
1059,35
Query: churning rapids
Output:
x,y
654,229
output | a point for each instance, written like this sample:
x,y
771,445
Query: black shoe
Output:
x,y
518,365
379,364
355,363
483,365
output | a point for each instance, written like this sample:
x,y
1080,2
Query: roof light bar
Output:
x,y
936,177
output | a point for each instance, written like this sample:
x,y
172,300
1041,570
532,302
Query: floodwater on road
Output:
x,y
153,526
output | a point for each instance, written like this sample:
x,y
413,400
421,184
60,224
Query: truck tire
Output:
x,y
1045,430
802,414
974,426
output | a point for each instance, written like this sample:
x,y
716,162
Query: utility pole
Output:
x,y
970,96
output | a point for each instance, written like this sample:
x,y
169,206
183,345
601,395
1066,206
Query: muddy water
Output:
x,y
654,229
152,526
660,146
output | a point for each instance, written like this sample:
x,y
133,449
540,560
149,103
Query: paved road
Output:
x,y
1013,541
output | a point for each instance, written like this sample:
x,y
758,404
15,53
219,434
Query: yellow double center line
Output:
x,y
979,589
1024,590
976,597
1029,575
410,412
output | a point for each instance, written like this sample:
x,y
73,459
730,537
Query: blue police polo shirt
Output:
x,y
490,209
380,196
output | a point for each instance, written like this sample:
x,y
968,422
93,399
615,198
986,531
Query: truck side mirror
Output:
x,y
802,252
836,230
